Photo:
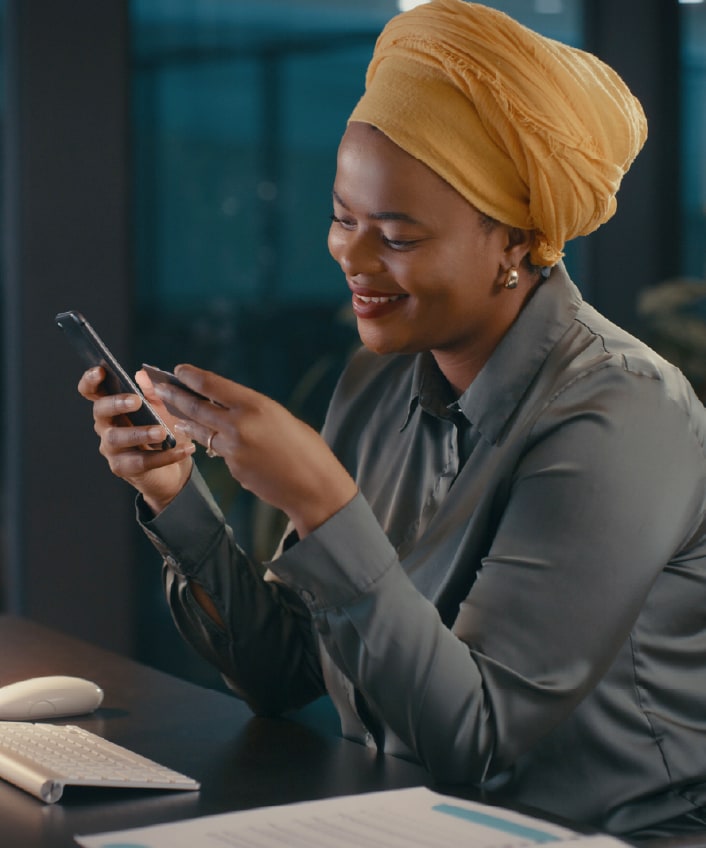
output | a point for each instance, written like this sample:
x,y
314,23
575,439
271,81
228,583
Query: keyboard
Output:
x,y
44,758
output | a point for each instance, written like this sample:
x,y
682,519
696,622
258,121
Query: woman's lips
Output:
x,y
374,305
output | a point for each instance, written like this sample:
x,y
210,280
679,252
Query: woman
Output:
x,y
496,563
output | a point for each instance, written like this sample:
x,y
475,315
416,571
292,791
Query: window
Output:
x,y
693,52
2,317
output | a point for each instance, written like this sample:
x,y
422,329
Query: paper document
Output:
x,y
403,818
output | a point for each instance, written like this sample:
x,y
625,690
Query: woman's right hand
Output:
x,y
159,475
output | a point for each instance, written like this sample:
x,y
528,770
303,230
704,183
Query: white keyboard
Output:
x,y
44,758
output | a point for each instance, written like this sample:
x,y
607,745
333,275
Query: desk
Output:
x,y
241,761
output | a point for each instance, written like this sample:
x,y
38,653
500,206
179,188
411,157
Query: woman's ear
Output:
x,y
518,245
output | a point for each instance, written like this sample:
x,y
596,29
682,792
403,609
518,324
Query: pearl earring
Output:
x,y
512,279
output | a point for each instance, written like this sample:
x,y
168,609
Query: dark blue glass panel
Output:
x,y
693,32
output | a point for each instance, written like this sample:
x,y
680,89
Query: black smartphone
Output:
x,y
93,351
158,375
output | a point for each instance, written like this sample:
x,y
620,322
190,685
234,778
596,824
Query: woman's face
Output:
x,y
424,269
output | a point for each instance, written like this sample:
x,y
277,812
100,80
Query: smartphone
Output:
x,y
93,351
157,375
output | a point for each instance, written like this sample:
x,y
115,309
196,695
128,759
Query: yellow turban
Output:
x,y
532,132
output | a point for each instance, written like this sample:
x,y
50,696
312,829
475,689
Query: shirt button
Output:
x,y
368,739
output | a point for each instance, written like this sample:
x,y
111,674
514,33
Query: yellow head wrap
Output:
x,y
532,132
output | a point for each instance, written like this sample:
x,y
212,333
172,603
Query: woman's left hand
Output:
x,y
268,450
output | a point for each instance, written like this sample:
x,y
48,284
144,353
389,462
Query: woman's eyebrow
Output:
x,y
382,216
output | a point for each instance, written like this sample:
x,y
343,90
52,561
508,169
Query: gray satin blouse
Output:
x,y
517,596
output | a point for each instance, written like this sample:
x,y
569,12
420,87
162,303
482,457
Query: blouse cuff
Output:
x,y
187,528
340,560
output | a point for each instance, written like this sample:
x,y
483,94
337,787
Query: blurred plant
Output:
x,y
673,314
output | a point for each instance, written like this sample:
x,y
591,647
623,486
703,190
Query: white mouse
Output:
x,y
48,697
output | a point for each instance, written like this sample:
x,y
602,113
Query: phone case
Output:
x,y
93,351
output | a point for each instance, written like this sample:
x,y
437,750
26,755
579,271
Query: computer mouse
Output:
x,y
48,697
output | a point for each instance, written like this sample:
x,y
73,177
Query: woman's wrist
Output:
x,y
313,512
160,498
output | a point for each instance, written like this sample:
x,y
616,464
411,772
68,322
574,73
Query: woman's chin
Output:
x,y
379,343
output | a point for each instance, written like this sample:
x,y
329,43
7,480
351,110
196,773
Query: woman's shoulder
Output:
x,y
618,349
602,361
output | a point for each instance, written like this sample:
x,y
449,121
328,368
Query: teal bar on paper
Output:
x,y
496,823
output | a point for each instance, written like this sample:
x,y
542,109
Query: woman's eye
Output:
x,y
393,243
344,222
399,244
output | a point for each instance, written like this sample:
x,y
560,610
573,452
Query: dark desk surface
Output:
x,y
241,761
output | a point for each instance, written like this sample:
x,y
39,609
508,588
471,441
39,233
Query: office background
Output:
x,y
166,169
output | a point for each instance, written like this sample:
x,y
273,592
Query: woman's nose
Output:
x,y
355,253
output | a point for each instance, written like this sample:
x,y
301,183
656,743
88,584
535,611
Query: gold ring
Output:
x,y
209,446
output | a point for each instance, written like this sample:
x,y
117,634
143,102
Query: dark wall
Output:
x,y
639,246
67,521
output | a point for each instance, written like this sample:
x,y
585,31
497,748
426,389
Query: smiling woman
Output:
x,y
424,269
495,563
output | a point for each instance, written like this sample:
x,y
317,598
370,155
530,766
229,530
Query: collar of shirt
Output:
x,y
495,393
430,390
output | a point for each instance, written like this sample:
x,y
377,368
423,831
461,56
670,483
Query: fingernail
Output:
x,y
155,433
